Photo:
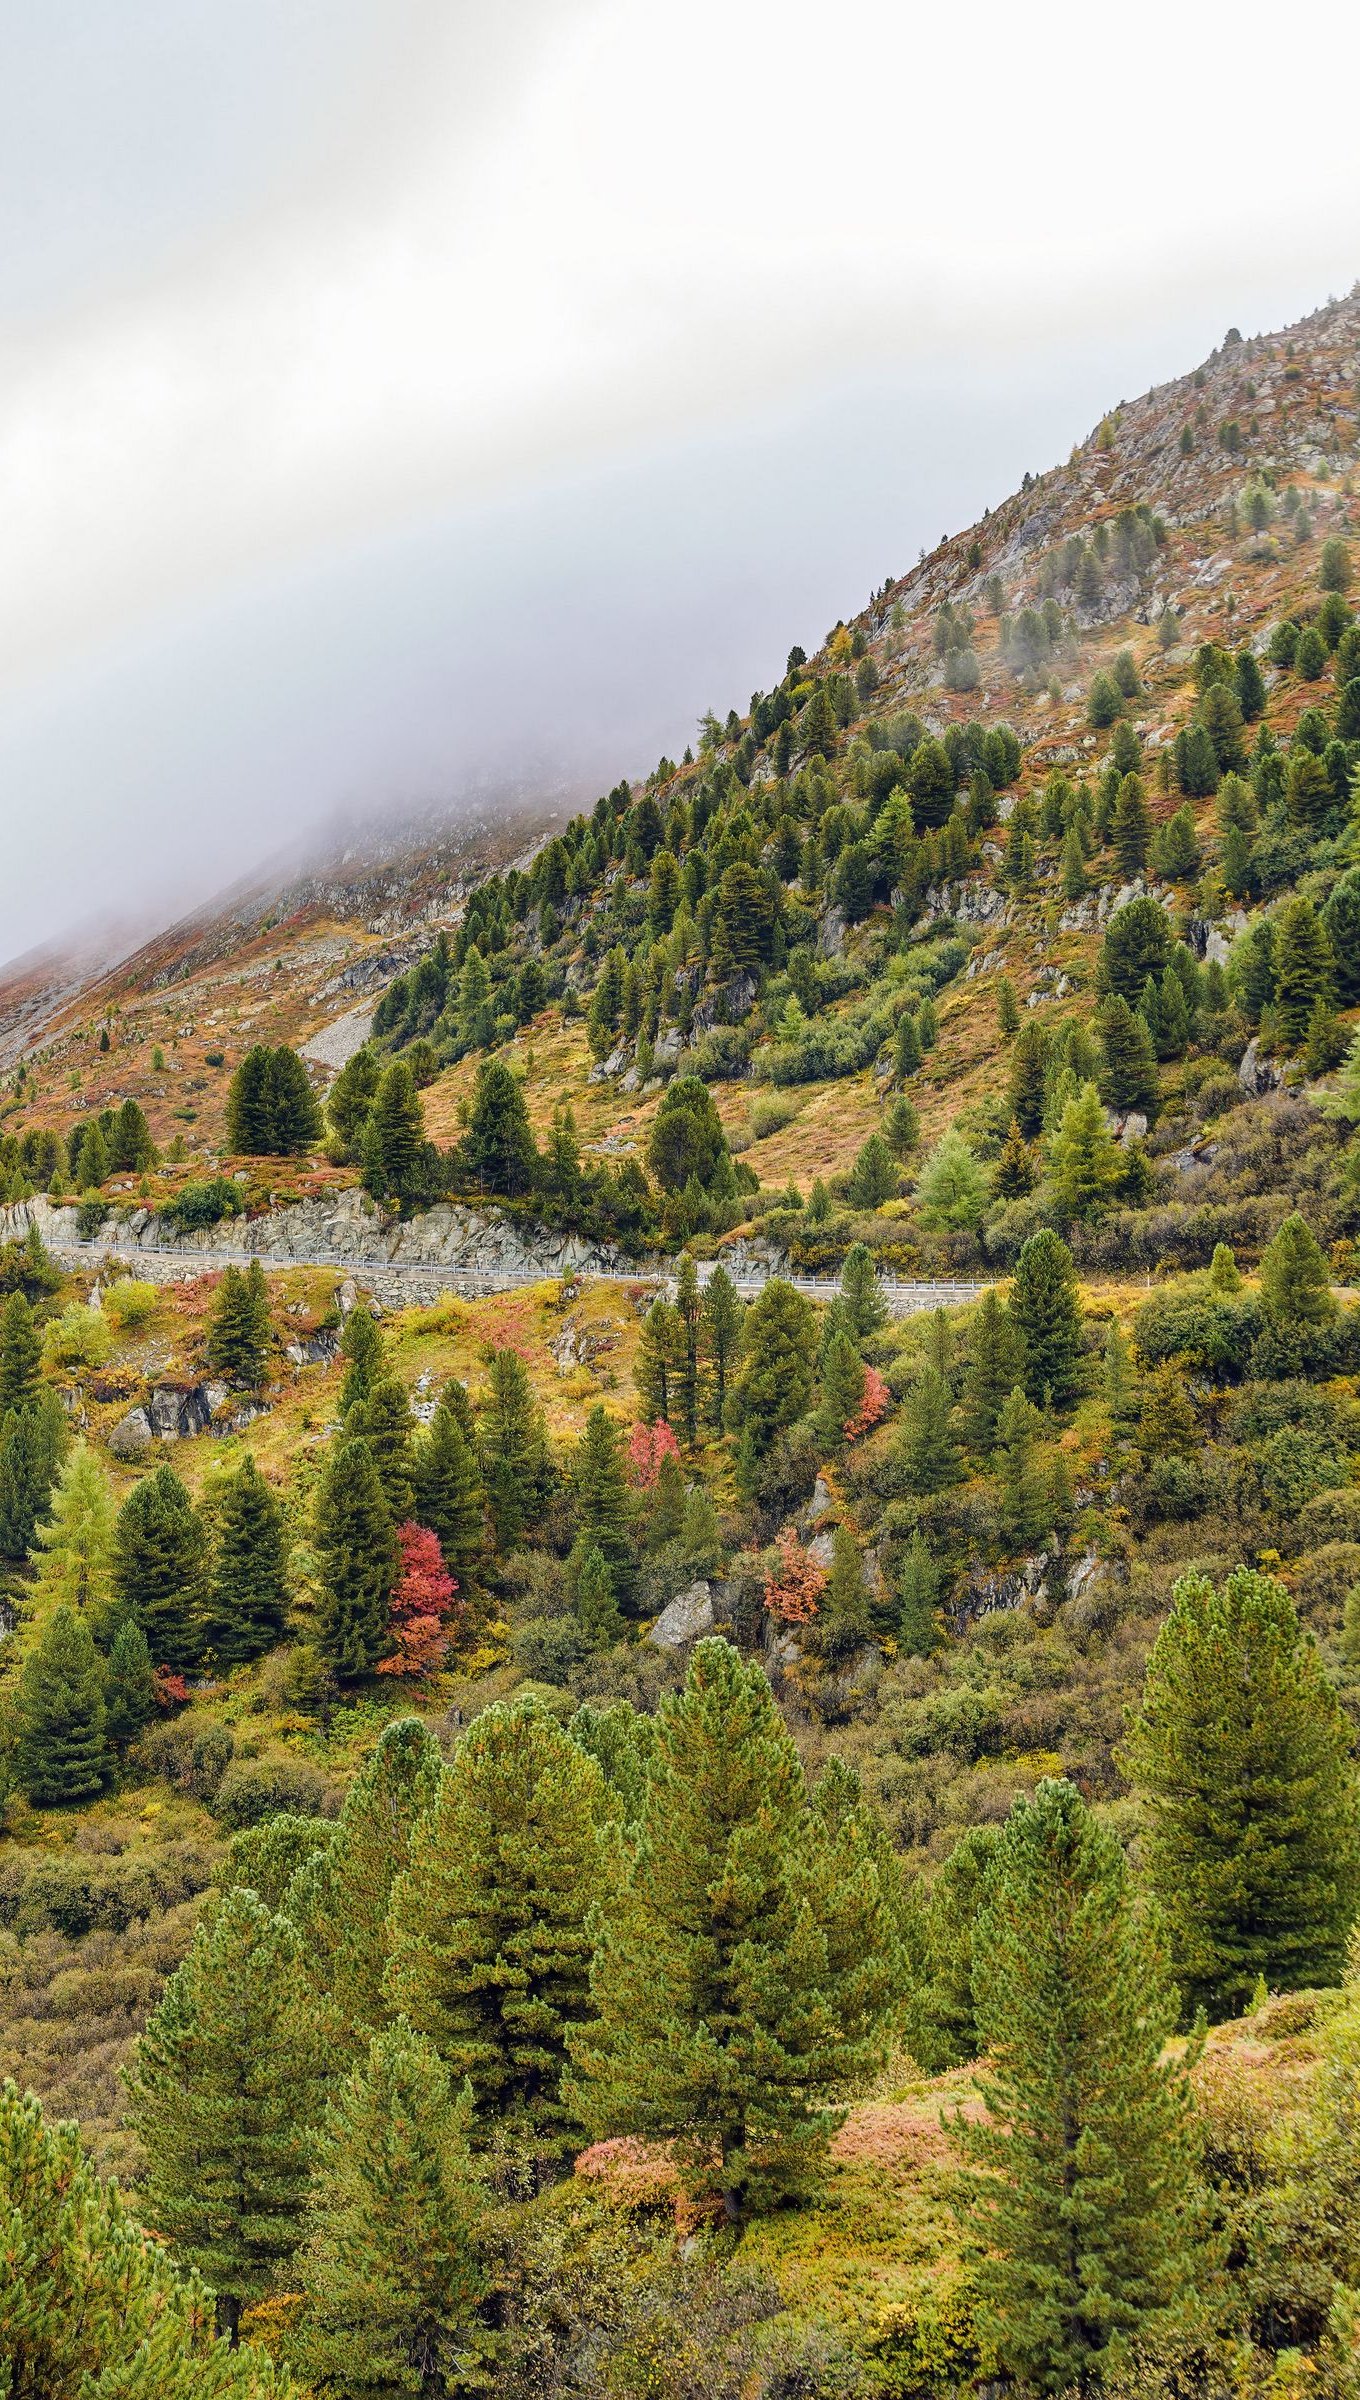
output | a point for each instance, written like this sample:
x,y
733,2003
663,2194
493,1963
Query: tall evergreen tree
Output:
x,y
996,1365
74,1547
689,1309
1029,1077
866,1308
1026,1495
774,1380
397,1127
498,1149
1295,1277
129,1686
1128,1076
842,1392
489,1925
340,1897
1083,1157
383,1420
294,1117
357,1543
362,1351
1304,967
449,1494
20,1355
224,2091
942,2027
247,1600
160,1567
250,1124
32,1447
1046,1306
741,1978
238,1332
390,2273
63,1752
514,1448
1241,1755
1081,2191
724,1314
603,1501
927,1450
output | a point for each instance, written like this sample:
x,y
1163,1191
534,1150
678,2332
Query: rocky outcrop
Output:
x,y
1258,1074
685,1619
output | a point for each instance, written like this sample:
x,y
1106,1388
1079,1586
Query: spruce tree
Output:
x,y
247,1601
591,1584
603,1501
741,1977
1304,967
843,1621
74,1550
250,1124
20,1355
1295,1277
1046,1306
32,1447
398,1128
224,2091
774,1380
1132,828
689,1309
514,1447
498,1151
357,1545
362,1351
339,1898
723,1317
62,1753
237,1346
449,1494
942,2028
927,1451
1241,1756
915,1621
129,1687
1081,2191
997,1361
383,1420
907,1047
1128,1077
291,1105
489,1931
389,2273
1029,1074
160,1568
866,1308
657,1368
1026,1496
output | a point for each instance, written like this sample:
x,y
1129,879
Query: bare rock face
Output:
x,y
177,1411
685,1619
131,1436
1257,1074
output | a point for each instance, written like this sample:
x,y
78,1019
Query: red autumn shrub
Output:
x,y
422,1605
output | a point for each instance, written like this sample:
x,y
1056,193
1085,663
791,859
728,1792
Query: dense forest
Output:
x,y
662,1830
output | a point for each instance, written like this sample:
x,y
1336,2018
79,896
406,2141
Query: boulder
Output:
x,y
177,1411
685,1619
131,1436
1258,1074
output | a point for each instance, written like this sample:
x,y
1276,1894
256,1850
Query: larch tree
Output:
x,y
74,1543
1079,2195
1240,1754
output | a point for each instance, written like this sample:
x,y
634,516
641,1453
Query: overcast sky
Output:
x,y
396,393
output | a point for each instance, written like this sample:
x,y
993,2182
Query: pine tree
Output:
x,y
350,1098
389,2273
1046,1306
397,1125
361,1349
1082,2193
773,1383
843,1624
159,1568
1132,828
20,1355
998,1357
62,1753
74,1552
658,1361
1029,1075
1016,1172
917,1625
1304,967
1128,1077
449,1494
383,1420
223,2092
129,1687
357,1545
92,1166
741,1978
604,1503
842,1393
927,1450
339,1898
689,1309
723,1320
490,1946
1295,1278
942,2028
1026,1495
250,1124
514,1449
293,1115
590,1581
237,1346
87,2303
1007,1010
906,1048
1241,1755
247,1601
32,1447
866,1307
498,1151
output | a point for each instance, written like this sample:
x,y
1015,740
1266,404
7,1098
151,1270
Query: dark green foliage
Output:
x,y
1131,832
394,1140
237,1346
129,1686
724,1315
1137,944
1081,2184
271,1109
1128,1078
20,1355
160,1568
1303,966
742,1974
223,2094
996,1364
33,1443
1029,1078
498,1151
604,1502
927,1450
942,2028
383,1421
63,1753
248,1589
774,1380
1046,1306
866,1308
356,1543
490,1947
1341,924
687,1139
361,1349
1242,1758
514,1449
1295,1282
449,1494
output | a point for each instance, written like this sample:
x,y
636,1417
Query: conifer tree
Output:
x,y
250,1124
658,1361
1128,1077
351,1097
741,1977
1083,1157
32,1447
907,1047
362,1351
927,1449
389,2273
591,1584
20,1355
514,1449
357,1545
397,1126
996,1364
1029,1074
490,1947
1016,1172
774,1380
92,1166
1046,1306
224,2091
238,1333
866,1308
1241,1756
293,1114
1295,1278
843,1622
689,1309
1007,1010
247,1599
916,1622
383,1420
942,2029
129,1687
723,1319
1304,967
842,1392
160,1568
1026,1496
1132,829
1081,2191
62,1753
498,1149
449,1494
74,1545
604,1502
340,1896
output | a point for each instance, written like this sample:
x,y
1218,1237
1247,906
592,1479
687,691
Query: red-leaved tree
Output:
x,y
425,1607
647,1446
794,1588
872,1409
